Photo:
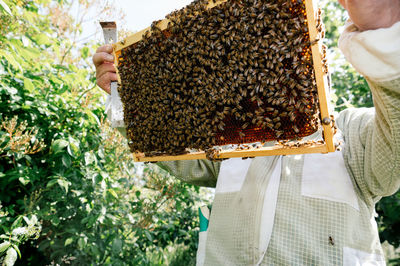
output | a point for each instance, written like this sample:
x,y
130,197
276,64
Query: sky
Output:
x,y
139,14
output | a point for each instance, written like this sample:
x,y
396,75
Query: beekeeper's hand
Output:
x,y
105,69
372,14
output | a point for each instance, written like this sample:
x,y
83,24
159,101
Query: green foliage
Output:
x,y
388,209
61,163
350,88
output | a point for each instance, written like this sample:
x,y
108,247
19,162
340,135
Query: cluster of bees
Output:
x,y
240,72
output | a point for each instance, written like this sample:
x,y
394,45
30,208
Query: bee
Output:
x,y
292,116
268,124
331,241
276,119
315,41
279,133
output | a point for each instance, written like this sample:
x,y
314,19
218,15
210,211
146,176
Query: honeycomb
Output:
x,y
240,72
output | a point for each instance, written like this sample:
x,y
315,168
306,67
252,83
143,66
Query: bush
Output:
x,y
69,190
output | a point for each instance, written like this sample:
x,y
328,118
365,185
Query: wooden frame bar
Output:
x,y
321,81
320,78
252,152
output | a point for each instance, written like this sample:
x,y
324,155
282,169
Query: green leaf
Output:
x,y
113,193
5,7
96,250
64,184
32,221
42,39
10,238
68,241
4,246
11,60
52,183
89,158
24,180
55,220
82,243
28,85
92,117
58,145
73,147
66,160
17,222
23,53
116,246
85,52
148,235
17,249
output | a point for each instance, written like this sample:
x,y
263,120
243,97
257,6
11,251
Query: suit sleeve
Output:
x,y
196,172
372,136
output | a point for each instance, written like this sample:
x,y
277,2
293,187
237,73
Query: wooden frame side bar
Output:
x,y
319,75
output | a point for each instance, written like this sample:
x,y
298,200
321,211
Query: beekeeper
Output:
x,y
314,209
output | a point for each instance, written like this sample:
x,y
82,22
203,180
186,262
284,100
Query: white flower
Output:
x,y
11,257
19,231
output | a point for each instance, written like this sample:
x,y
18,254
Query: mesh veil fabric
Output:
x,y
303,226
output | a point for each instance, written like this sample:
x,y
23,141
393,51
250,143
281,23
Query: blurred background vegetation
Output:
x,y
69,191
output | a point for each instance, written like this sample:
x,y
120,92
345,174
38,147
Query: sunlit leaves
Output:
x,y
68,241
10,59
5,7
58,145
42,39
85,52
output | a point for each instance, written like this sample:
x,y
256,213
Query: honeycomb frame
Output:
x,y
321,83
